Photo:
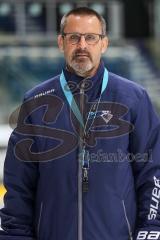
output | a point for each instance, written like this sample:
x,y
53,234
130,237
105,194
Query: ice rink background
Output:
x,y
29,54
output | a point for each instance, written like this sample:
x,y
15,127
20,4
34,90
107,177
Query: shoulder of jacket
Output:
x,y
125,87
44,88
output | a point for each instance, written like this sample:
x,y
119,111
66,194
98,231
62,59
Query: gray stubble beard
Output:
x,y
81,68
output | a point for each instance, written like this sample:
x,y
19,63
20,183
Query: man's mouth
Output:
x,y
81,54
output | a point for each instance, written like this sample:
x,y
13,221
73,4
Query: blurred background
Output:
x,y
29,54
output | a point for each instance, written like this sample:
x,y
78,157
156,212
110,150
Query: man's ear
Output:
x,y
60,43
104,44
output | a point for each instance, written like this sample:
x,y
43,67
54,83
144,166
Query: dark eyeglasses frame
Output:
x,y
83,34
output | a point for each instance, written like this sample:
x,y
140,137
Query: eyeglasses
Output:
x,y
90,38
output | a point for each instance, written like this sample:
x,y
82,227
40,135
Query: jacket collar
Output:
x,y
96,81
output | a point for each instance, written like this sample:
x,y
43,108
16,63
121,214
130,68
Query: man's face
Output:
x,y
82,58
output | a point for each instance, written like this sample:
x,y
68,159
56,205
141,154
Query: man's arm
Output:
x,y
145,141
20,181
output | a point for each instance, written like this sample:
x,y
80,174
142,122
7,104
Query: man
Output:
x,y
83,162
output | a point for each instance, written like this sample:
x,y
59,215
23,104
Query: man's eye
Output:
x,y
74,37
90,37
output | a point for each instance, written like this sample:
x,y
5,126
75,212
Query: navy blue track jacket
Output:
x,y
42,171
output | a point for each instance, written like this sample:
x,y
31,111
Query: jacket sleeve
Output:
x,y
20,181
145,144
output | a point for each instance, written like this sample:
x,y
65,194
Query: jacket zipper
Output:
x,y
127,220
39,220
80,205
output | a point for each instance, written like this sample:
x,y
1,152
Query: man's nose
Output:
x,y
82,42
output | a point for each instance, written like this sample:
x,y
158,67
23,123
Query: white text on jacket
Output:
x,y
154,200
